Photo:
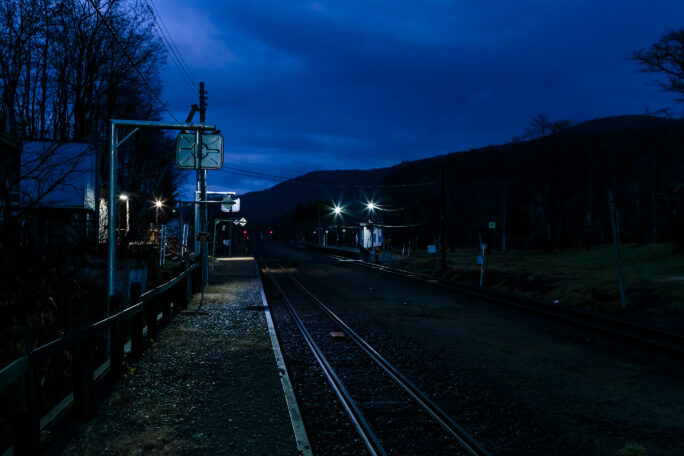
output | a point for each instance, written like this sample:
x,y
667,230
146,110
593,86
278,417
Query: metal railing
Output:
x,y
26,422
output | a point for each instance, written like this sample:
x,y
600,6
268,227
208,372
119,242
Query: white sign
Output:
x,y
230,204
211,152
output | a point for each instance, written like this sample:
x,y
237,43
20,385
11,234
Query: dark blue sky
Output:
x,y
300,86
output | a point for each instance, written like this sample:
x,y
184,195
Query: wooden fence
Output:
x,y
166,299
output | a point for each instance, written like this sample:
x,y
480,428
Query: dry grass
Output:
x,y
654,275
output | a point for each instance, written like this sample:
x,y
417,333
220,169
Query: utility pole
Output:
x,y
618,255
503,234
203,188
442,220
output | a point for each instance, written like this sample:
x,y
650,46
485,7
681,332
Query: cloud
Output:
x,y
364,84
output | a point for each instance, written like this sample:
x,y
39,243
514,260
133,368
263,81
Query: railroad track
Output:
x,y
661,341
389,413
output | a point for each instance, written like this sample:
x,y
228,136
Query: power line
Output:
x,y
173,43
399,226
385,209
173,59
130,60
168,43
268,166
299,180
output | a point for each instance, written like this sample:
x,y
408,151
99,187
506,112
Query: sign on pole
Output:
x,y
211,152
230,204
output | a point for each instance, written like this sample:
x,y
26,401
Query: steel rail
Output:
x,y
656,339
363,428
466,441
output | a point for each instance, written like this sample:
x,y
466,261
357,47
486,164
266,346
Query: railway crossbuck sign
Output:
x,y
211,155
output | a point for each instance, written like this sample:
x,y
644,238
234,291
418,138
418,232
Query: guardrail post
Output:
x,y
151,311
194,282
82,378
116,346
165,299
181,296
174,294
136,321
26,423
188,281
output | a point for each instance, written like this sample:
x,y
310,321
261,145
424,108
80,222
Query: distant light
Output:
x,y
337,210
158,204
123,197
371,205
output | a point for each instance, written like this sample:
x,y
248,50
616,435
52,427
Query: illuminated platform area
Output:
x,y
212,383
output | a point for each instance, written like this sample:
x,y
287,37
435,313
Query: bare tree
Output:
x,y
65,68
665,58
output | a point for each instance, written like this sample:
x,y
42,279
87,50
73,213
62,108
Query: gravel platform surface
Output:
x,y
208,386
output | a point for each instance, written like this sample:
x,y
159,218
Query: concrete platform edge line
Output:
x,y
295,416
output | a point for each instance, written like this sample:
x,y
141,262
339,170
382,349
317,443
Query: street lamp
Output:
x,y
371,206
123,197
158,204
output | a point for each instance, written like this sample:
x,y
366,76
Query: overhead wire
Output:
x,y
400,226
173,43
299,180
233,159
168,43
167,81
385,209
130,60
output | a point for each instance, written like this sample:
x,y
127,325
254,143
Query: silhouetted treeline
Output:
x,y
66,67
548,189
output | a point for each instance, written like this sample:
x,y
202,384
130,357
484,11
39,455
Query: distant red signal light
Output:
x,y
270,231
244,232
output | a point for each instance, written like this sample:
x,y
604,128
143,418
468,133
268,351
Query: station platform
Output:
x,y
213,383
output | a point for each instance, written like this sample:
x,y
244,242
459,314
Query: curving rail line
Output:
x,y
465,440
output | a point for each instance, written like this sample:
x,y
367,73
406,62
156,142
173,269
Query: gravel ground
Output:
x,y
209,385
520,384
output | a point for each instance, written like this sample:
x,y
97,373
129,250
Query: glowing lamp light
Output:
x,y
123,197
337,210
371,206
158,204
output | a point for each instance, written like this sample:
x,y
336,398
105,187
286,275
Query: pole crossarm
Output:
x,y
162,125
